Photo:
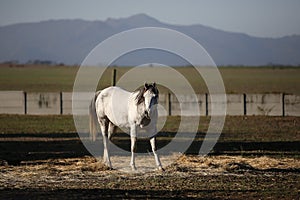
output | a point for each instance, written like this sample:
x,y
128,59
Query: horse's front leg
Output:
x,y
157,160
133,146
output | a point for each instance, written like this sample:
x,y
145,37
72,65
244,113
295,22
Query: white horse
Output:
x,y
114,106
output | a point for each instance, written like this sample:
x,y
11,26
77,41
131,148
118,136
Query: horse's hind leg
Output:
x,y
111,130
104,129
157,160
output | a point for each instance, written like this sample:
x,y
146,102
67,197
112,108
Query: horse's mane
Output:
x,y
140,98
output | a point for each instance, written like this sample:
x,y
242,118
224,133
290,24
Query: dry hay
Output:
x,y
208,177
183,163
86,163
231,163
88,172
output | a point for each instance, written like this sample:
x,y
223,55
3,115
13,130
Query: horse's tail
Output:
x,y
93,118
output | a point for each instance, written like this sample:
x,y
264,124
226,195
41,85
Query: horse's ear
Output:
x,y
154,85
146,86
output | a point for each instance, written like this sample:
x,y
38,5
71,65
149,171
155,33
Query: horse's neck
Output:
x,y
140,107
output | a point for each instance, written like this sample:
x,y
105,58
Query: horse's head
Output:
x,y
149,96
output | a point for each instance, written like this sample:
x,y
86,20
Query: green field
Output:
x,y
236,79
240,128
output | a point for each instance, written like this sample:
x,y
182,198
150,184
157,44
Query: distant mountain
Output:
x,y
69,41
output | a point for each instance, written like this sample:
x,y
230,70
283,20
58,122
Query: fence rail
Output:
x,y
60,103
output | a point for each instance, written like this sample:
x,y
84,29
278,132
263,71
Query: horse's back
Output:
x,y
114,90
115,95
112,102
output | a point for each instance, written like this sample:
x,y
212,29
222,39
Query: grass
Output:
x,y
250,128
37,78
236,79
35,124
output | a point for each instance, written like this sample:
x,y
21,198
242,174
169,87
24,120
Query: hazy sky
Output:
x,y
264,18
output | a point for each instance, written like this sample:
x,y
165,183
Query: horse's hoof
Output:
x,y
133,168
161,169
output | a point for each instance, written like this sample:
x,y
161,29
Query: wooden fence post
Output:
x,y
61,102
245,104
169,104
25,103
283,104
206,104
114,77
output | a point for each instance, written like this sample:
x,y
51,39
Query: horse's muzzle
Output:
x,y
145,120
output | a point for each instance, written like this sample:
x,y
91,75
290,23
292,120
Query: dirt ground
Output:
x,y
213,177
255,158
